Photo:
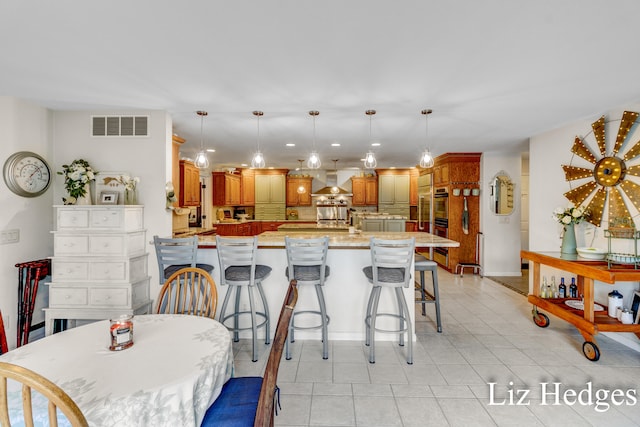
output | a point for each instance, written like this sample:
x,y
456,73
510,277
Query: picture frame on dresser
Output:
x,y
108,181
108,198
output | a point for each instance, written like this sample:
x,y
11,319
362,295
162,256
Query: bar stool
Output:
x,y
307,264
391,268
176,254
422,264
238,269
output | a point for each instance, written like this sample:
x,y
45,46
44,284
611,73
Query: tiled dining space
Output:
x,y
488,337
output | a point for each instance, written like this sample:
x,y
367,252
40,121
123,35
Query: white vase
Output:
x,y
86,199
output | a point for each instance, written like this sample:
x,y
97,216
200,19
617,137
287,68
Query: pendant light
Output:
x,y
314,158
370,161
426,160
258,159
202,162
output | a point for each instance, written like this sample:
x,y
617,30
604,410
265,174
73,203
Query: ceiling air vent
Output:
x,y
119,125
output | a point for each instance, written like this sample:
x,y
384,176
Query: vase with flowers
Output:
x,y
77,177
569,217
130,185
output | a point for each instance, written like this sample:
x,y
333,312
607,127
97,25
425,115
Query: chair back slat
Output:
x,y
307,251
392,254
31,381
265,411
175,252
188,291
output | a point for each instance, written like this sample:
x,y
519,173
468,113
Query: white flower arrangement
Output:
x,y
129,183
570,215
76,176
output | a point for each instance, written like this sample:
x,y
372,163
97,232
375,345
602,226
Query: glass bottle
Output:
x,y
553,289
562,289
573,288
543,288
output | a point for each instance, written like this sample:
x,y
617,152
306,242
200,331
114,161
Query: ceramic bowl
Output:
x,y
592,253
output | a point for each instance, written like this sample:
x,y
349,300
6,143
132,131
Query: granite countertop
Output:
x,y
313,226
275,239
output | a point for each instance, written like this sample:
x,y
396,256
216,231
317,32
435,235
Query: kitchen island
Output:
x,y
346,289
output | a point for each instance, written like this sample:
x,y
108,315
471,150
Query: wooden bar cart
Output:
x,y
587,321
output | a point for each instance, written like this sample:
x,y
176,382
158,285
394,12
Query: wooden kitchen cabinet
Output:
x,y
247,187
413,187
189,184
226,189
462,171
365,190
294,198
175,167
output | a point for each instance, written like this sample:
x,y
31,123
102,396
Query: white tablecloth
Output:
x,y
169,377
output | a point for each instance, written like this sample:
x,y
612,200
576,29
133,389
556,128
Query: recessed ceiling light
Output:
x,y
290,144
375,144
392,167
244,165
335,144
211,150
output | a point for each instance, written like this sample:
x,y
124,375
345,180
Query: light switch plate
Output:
x,y
9,236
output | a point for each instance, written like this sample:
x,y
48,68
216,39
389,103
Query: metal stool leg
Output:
x,y
436,296
404,312
422,292
325,322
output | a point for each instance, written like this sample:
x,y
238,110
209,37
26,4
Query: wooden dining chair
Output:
x,y
188,291
3,337
250,401
56,397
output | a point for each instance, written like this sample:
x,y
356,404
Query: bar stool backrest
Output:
x,y
237,252
392,254
180,251
307,252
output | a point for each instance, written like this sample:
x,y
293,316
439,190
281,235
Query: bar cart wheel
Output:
x,y
540,319
591,351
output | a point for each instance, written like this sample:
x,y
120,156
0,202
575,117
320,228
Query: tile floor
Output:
x,y
488,337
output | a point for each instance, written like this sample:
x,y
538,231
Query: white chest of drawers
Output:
x,y
100,263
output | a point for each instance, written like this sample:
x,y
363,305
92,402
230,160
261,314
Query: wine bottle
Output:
x,y
573,288
562,289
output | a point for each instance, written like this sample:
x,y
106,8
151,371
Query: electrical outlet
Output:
x,y
9,236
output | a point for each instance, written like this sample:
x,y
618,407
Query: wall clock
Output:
x,y
27,174
608,174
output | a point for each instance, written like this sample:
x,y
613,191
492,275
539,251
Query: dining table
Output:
x,y
171,374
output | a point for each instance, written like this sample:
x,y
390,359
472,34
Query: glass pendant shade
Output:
x,y
301,189
202,161
426,160
314,160
258,160
370,160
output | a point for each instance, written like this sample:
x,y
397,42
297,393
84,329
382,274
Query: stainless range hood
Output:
x,y
331,188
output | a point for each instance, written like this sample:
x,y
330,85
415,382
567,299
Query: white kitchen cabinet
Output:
x,y
393,189
386,225
99,264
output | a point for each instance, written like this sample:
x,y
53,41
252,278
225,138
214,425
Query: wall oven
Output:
x,y
441,229
441,204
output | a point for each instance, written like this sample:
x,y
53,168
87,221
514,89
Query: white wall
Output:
x,y
548,152
501,251
146,157
23,127
60,137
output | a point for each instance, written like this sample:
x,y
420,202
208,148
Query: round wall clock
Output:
x,y
27,174
608,174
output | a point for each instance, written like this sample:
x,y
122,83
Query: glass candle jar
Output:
x,y
121,330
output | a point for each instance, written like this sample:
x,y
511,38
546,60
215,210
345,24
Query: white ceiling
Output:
x,y
494,72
